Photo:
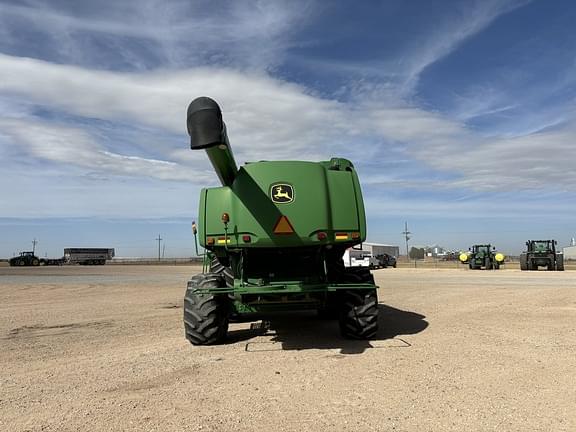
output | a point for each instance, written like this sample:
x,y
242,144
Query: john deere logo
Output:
x,y
282,193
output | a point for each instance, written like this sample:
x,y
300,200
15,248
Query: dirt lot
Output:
x,y
102,349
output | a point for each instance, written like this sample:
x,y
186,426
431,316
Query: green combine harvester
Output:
x,y
275,233
481,257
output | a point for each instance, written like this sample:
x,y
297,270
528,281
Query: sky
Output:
x,y
460,116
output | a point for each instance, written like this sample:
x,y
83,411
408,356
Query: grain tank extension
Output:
x,y
275,233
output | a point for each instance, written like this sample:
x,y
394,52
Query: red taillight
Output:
x,y
322,235
246,238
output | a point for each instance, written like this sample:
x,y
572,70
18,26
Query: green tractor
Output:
x,y
275,234
482,256
541,253
25,259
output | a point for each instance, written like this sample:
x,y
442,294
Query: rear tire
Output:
x,y
358,313
205,315
560,262
523,262
35,262
488,264
21,263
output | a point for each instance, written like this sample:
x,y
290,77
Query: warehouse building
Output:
x,y
570,253
379,249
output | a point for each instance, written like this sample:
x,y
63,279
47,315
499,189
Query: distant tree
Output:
x,y
417,253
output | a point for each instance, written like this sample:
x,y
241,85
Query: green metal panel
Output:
x,y
341,192
318,198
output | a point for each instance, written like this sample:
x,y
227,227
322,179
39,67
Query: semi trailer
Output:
x,y
88,256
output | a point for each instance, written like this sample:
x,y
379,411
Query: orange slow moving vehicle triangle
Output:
x,y
283,226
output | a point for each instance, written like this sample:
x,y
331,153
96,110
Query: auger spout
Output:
x,y
207,131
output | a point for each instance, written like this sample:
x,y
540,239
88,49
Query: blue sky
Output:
x,y
459,115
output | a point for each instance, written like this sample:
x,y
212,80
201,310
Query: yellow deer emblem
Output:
x,y
282,193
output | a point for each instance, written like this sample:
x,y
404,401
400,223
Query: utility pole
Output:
x,y
159,239
34,243
406,237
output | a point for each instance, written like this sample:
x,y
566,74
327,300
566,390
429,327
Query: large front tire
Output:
x,y
205,315
358,313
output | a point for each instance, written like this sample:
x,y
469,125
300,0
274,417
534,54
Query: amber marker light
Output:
x,y
210,241
355,235
225,218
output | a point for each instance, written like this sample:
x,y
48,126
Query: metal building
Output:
x,y
570,253
379,249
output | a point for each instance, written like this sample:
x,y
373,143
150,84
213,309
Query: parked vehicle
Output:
x,y
359,258
386,260
483,256
30,259
541,253
275,232
25,259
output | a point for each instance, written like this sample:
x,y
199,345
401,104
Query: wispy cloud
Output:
x,y
463,21
73,146
395,78
292,124
153,33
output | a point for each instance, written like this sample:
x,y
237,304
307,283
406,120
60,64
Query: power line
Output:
x,y
159,239
406,237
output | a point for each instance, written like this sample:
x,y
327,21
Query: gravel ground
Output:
x,y
102,349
